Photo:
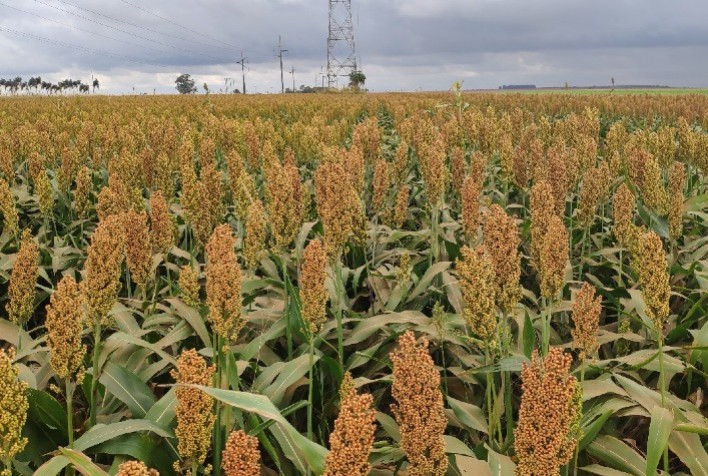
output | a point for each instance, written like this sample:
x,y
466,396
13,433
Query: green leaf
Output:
x,y
288,376
53,467
469,415
659,429
45,410
617,454
455,446
529,335
501,465
603,470
430,274
301,451
100,433
82,463
371,325
192,317
688,447
163,411
128,388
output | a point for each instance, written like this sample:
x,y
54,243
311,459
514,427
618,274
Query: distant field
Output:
x,y
669,91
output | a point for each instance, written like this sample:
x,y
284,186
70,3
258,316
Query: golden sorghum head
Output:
x,y
10,218
189,285
542,209
195,418
381,185
652,188
101,282
338,204
471,191
223,283
13,408
255,241
419,409
654,280
594,189
45,194
400,163
113,199
475,272
280,195
23,280
82,193
400,210
677,184
502,241
241,456
404,266
615,139
506,154
135,468
586,315
431,158
138,252
458,167
313,294
65,318
625,231
243,192
547,433
353,437
162,224
553,258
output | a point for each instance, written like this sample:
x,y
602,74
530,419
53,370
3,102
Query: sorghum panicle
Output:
x,y
313,294
255,242
381,185
553,258
624,229
471,191
138,252
162,224
195,418
353,436
547,431
189,285
586,316
82,192
542,209
502,241
653,273
676,186
475,271
65,319
223,283
135,468
419,409
23,280
13,408
10,218
241,456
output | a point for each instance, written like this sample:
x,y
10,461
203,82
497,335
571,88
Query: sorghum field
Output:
x,y
421,284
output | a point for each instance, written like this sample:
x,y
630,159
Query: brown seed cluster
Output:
x,y
553,258
458,168
223,284
23,280
419,409
381,185
162,224
542,209
676,186
593,192
549,415
13,407
432,158
502,241
586,315
471,191
255,242
313,294
195,418
654,280
338,204
135,468
102,268
10,218
353,436
281,192
45,194
65,318
82,192
475,273
241,456
138,251
624,229
189,285
400,210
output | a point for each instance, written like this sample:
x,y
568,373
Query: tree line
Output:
x,y
18,85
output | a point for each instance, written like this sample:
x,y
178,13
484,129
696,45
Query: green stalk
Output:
x,y
577,450
94,377
662,389
506,379
217,423
70,420
286,309
340,295
434,251
545,327
490,397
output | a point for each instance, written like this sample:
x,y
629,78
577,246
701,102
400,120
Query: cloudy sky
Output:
x,y
401,44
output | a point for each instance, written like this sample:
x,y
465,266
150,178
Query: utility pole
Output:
x,y
292,73
243,71
280,55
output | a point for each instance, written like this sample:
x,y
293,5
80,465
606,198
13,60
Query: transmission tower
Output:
x,y
341,51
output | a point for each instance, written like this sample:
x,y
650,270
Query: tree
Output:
x,y
95,85
185,84
356,80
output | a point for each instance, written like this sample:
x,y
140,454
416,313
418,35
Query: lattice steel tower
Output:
x,y
341,51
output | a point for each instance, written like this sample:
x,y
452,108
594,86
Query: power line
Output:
x,y
177,24
80,29
129,33
137,26
79,47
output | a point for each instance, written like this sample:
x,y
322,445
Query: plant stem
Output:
x,y
545,326
662,389
577,450
94,376
286,309
490,397
69,420
217,423
340,304
311,387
